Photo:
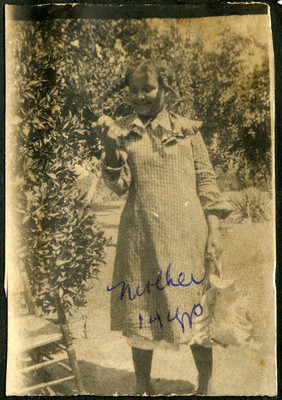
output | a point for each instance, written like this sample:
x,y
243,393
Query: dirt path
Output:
x,y
105,357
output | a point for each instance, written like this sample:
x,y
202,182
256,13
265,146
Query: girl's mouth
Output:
x,y
142,104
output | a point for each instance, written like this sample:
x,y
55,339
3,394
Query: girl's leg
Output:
x,y
203,360
142,360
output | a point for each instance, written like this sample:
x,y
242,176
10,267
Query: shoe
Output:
x,y
202,389
150,390
201,392
142,390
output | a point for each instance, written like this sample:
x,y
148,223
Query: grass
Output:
x,y
250,205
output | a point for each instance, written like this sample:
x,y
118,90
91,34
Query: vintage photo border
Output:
x,y
276,20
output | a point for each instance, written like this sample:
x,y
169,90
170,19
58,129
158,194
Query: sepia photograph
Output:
x,y
140,201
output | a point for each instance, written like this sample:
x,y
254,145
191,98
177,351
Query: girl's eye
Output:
x,y
148,89
133,90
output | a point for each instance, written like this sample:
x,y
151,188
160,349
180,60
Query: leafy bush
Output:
x,y
251,204
63,246
233,101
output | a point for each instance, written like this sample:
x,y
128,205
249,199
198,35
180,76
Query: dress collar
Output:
x,y
174,126
162,119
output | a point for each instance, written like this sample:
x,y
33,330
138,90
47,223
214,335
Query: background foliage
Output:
x,y
65,74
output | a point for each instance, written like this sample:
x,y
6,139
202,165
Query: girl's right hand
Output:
x,y
109,134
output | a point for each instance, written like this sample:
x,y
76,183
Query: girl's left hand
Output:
x,y
214,246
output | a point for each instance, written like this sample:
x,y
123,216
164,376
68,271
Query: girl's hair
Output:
x,y
160,67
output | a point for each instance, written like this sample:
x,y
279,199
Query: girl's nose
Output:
x,y
140,95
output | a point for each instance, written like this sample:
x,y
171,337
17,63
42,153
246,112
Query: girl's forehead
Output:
x,y
143,78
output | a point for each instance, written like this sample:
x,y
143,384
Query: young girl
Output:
x,y
169,225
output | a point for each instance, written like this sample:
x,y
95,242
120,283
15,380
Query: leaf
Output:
x,y
17,120
72,290
26,130
68,299
29,195
75,43
25,219
56,108
98,51
43,188
62,262
61,293
53,176
66,124
30,95
62,279
31,83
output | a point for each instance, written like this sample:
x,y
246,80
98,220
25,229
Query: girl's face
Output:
x,y
146,95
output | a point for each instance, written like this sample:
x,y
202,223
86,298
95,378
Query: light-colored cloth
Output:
x,y
147,344
225,320
171,184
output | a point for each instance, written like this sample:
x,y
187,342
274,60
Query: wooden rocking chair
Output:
x,y
45,344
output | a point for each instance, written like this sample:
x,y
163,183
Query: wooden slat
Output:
x,y
50,391
42,340
44,385
28,324
36,331
66,367
43,364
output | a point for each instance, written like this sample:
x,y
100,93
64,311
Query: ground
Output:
x,y
105,357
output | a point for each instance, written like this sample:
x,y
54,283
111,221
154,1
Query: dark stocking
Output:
x,y
203,360
142,360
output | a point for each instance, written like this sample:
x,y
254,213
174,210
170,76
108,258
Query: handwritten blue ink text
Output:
x,y
169,282
176,317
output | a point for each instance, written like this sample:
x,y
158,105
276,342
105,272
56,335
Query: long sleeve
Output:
x,y
117,179
208,192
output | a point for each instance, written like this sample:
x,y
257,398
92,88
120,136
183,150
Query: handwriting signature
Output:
x,y
176,317
169,282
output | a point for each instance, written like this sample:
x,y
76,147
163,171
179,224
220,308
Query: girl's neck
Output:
x,y
146,118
